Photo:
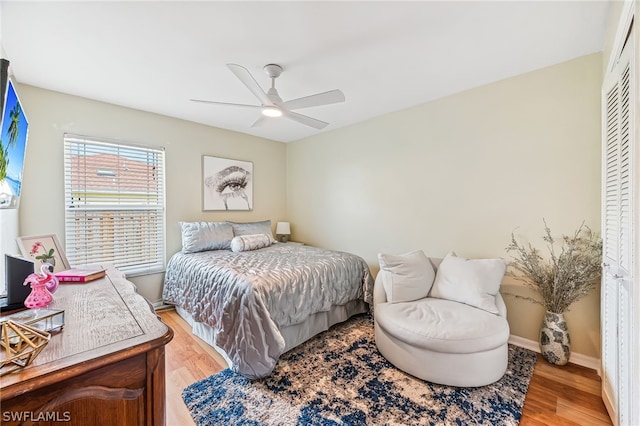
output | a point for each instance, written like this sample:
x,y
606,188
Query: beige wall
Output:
x,y
461,173
51,114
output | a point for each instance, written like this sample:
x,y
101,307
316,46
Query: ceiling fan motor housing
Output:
x,y
273,70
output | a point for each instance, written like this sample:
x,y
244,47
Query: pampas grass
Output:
x,y
564,277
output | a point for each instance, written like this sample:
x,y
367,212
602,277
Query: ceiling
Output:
x,y
385,56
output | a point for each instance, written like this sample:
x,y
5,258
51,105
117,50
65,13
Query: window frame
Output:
x,y
133,216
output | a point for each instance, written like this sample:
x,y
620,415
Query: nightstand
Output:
x,y
294,242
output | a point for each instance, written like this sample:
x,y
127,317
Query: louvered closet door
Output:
x,y
617,239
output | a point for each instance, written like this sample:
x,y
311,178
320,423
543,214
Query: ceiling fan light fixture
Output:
x,y
271,104
271,111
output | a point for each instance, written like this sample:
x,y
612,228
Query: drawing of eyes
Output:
x,y
231,181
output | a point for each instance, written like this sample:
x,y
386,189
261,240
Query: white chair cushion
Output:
x,y
442,325
406,277
472,281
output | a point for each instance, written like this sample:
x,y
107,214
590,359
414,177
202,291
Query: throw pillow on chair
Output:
x,y
457,338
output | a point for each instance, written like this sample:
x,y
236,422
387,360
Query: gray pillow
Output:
x,y
252,228
203,236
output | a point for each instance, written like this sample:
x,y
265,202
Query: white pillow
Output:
x,y
475,282
250,242
409,276
202,236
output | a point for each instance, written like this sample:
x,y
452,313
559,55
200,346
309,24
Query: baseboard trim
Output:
x,y
575,358
160,305
608,404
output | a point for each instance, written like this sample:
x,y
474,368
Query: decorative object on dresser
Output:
x,y
24,334
283,230
44,249
43,285
43,319
226,184
109,358
39,296
81,275
562,280
22,344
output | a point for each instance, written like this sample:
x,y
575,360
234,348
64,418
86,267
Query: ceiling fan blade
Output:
x,y
303,119
247,79
326,98
225,103
259,121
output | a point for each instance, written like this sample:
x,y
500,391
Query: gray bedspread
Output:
x,y
247,296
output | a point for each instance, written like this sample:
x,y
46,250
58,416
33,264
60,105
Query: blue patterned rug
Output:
x,y
340,378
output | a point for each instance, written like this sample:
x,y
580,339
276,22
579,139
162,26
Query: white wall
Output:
x,y
461,173
51,114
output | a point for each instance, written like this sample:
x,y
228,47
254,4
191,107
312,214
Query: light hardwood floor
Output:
x,y
568,395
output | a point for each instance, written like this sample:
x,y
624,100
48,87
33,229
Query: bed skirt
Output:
x,y
293,335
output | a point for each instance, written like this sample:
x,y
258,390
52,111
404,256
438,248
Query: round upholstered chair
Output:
x,y
440,340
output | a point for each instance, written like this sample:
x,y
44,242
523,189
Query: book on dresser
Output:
x,y
81,275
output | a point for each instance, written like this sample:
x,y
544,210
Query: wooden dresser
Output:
x,y
106,366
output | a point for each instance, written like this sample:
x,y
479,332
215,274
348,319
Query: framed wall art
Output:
x,y
226,184
44,249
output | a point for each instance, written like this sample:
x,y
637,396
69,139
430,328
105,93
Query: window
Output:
x,y
114,204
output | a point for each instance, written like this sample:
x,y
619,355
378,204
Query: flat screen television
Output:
x,y
13,146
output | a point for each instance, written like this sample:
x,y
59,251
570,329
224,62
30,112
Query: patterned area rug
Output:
x,y
340,378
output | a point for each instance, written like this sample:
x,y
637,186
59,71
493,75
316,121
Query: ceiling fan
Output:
x,y
271,104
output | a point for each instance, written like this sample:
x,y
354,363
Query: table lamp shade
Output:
x,y
283,228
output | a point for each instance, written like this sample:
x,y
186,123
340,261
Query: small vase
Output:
x,y
39,296
555,344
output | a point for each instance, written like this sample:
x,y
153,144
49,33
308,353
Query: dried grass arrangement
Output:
x,y
566,276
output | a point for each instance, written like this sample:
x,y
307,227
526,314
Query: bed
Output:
x,y
254,305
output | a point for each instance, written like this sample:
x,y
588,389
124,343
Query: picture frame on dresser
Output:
x,y
44,248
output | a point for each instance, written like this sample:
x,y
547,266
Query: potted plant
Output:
x,y
560,280
46,257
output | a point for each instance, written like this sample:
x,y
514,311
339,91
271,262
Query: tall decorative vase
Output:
x,y
555,345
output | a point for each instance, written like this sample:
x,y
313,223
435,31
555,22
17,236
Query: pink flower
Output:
x,y
36,247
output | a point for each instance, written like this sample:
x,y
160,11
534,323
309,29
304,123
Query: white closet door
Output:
x,y
610,246
617,228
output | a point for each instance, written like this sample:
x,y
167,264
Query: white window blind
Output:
x,y
114,204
